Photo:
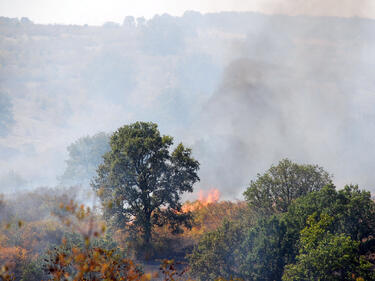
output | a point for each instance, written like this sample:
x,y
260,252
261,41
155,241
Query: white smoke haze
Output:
x,y
319,8
97,12
244,90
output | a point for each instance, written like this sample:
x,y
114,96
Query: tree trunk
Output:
x,y
147,230
147,235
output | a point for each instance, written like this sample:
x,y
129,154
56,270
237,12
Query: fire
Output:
x,y
213,196
204,199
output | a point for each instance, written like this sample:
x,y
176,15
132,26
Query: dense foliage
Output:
x,y
324,235
294,224
141,182
276,189
324,255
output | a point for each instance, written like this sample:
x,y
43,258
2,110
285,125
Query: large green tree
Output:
x,y
276,189
324,255
353,211
141,180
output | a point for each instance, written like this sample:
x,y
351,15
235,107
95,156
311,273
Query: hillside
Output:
x,y
255,87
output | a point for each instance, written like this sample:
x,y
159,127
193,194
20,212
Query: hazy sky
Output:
x,y
98,11
249,89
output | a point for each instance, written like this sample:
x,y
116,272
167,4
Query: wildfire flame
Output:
x,y
212,196
204,199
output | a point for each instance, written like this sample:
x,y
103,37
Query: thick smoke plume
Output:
x,y
243,89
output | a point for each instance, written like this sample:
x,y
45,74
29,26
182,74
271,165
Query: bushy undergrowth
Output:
x,y
326,234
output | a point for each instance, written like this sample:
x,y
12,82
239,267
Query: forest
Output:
x,y
219,146
292,223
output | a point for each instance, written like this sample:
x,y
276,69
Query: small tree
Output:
x,y
141,181
85,155
275,190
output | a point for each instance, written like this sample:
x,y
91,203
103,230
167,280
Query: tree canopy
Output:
x,y
324,255
85,155
141,180
324,234
275,190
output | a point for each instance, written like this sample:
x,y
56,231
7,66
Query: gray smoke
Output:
x,y
243,89
341,8
302,92
6,114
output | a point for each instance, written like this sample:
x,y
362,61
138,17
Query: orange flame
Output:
x,y
204,199
212,196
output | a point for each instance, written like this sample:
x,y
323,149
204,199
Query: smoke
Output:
x,y
6,115
11,182
338,8
296,92
242,89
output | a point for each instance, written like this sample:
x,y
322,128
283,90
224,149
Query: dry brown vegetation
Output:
x,y
59,239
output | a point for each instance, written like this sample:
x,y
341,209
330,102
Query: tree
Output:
x,y
265,250
352,209
296,242
141,181
216,255
275,190
85,155
327,256
347,222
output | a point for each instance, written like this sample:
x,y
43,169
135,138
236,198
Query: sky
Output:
x,y
96,12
